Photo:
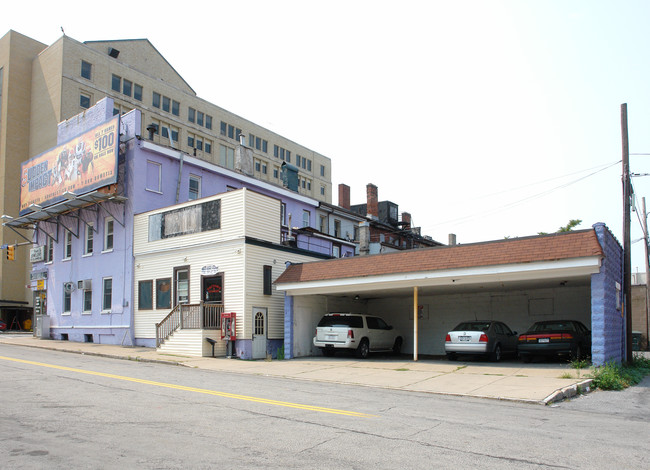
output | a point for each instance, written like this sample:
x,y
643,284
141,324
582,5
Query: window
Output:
x,y
88,240
337,228
268,279
155,100
67,245
107,295
199,144
323,224
127,87
195,187
49,249
165,103
208,122
67,298
191,114
264,168
154,177
283,214
208,147
108,234
322,190
276,173
190,141
186,220
88,300
322,170
305,218
258,166
227,157
145,295
137,92
281,153
199,118
116,83
84,101
224,127
336,251
86,70
176,108
163,293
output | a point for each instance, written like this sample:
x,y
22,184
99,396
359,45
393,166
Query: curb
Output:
x,y
569,392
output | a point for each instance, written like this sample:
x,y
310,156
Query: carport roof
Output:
x,y
544,248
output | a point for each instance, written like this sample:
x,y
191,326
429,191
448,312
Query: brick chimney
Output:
x,y
344,196
372,208
406,221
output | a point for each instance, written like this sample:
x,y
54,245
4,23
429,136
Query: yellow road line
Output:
x,y
265,401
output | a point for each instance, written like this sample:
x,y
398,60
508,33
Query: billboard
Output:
x,y
79,166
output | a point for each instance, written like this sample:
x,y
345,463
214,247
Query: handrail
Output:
x,y
189,316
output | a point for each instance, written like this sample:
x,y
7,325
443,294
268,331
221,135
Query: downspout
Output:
x,y
180,172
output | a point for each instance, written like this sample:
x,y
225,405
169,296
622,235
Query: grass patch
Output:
x,y
501,375
459,368
401,370
566,375
618,376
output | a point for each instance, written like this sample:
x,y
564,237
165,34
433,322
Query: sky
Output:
x,y
483,118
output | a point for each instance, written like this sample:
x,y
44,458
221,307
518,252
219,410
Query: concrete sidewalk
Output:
x,y
531,383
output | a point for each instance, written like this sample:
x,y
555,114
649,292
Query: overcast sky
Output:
x,y
487,119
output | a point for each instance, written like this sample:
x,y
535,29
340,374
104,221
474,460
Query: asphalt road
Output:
x,y
62,410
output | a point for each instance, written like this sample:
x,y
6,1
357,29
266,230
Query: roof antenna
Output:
x,y
62,30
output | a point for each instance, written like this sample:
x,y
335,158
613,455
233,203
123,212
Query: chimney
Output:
x,y
344,196
452,239
364,238
372,209
406,221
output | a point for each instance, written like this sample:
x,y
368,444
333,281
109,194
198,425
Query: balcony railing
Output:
x,y
190,316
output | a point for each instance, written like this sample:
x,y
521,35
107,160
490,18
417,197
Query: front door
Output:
x,y
181,285
259,333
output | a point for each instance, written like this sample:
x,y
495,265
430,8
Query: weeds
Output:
x,y
613,376
280,353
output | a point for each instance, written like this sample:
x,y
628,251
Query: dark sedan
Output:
x,y
555,337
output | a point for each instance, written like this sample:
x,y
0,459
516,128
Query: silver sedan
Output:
x,y
483,337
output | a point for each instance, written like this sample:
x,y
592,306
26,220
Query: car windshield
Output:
x,y
341,321
553,326
473,326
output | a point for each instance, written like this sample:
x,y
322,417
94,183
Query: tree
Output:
x,y
567,228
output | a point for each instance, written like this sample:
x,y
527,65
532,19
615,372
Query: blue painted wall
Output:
x,y
607,311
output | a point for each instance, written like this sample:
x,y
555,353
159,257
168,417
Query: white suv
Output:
x,y
363,333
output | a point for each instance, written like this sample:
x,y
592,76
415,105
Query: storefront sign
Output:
x,y
37,254
80,165
37,275
209,270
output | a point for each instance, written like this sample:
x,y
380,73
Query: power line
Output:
x,y
526,199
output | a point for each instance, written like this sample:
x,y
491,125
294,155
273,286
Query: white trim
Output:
x,y
94,327
464,276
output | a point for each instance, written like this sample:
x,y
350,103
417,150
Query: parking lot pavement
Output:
x,y
541,383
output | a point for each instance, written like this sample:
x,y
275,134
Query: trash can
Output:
x,y
636,341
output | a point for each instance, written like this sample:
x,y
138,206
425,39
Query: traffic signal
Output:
x,y
11,252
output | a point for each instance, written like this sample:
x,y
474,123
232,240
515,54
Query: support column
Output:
x,y
415,323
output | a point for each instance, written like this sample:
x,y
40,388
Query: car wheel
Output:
x,y
526,358
452,356
397,347
363,349
496,354
328,352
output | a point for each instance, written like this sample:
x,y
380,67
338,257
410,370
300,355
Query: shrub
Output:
x,y
613,376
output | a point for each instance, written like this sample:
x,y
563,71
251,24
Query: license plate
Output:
x,y
464,338
542,340
331,337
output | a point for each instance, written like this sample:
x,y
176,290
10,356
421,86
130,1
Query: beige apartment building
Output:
x,y
42,85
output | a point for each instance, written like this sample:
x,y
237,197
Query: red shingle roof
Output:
x,y
554,247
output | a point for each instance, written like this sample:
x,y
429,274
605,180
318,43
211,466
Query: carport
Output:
x,y
426,292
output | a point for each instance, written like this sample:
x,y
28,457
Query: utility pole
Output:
x,y
627,245
647,272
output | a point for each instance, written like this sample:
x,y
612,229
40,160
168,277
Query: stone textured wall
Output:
x,y
607,314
